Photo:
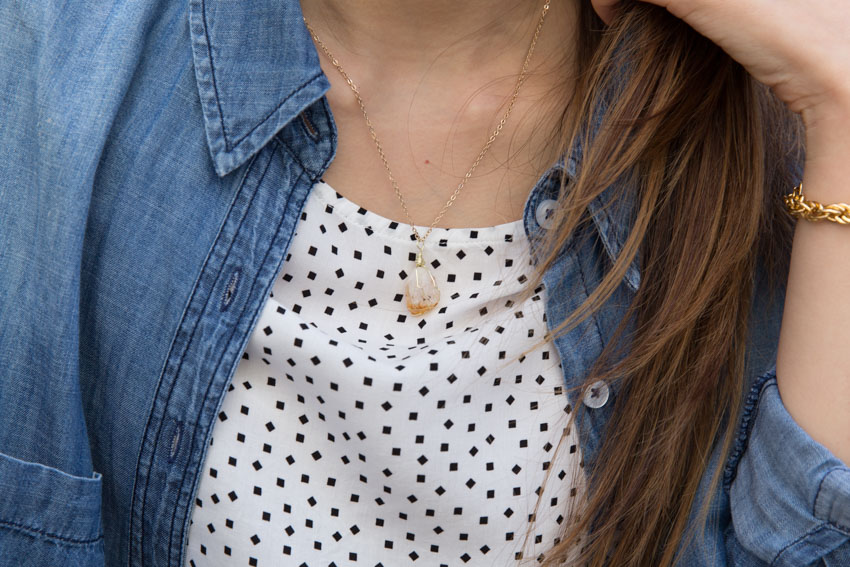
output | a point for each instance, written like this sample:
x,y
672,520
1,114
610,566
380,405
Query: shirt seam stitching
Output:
x,y
230,145
218,363
227,145
811,532
817,497
587,293
744,428
31,530
265,118
143,497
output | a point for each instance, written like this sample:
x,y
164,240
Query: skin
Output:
x,y
801,49
435,90
436,77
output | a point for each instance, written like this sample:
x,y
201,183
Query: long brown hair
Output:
x,y
708,151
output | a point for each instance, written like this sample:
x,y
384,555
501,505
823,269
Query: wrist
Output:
x,y
827,168
828,116
833,103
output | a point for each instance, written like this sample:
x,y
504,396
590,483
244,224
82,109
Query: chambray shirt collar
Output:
x,y
257,69
613,218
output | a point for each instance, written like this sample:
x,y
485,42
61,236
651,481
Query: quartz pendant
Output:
x,y
421,292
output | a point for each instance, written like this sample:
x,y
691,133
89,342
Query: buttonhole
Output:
x,y
175,441
230,289
311,130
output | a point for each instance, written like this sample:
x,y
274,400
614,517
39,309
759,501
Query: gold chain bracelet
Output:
x,y
802,208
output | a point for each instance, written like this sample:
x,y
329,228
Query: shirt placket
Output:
x,y
224,306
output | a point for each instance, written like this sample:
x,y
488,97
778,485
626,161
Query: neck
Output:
x,y
417,33
437,76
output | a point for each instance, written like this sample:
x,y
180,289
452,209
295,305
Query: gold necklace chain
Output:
x,y
421,290
520,80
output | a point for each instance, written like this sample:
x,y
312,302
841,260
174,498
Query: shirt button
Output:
x,y
597,394
545,213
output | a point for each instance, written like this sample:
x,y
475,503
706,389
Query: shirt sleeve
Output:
x,y
48,517
61,72
789,495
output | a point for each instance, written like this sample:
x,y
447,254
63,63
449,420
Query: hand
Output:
x,y
799,48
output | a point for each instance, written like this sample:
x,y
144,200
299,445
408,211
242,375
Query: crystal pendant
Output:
x,y
421,292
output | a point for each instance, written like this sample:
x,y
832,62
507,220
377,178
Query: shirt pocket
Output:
x,y
48,517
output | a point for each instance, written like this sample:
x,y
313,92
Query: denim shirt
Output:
x,y
155,158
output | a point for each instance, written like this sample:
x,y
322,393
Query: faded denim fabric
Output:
x,y
155,157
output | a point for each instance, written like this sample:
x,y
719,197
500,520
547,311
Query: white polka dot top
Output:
x,y
356,434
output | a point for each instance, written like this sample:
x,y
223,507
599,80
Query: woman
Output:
x,y
222,344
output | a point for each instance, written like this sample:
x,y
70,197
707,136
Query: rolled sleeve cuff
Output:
x,y
789,495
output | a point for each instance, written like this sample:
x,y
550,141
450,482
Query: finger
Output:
x,y
605,9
